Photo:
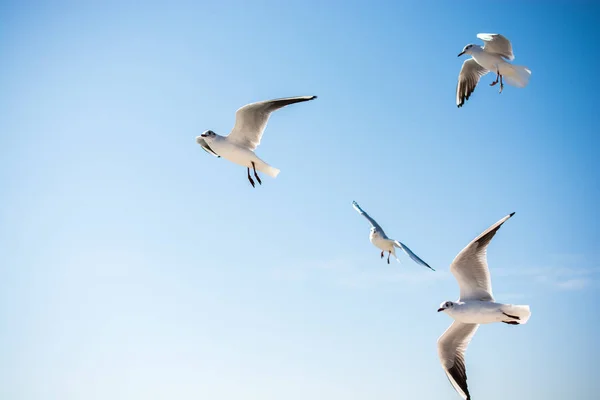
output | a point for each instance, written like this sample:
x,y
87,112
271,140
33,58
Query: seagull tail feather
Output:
x,y
267,169
516,75
394,253
271,171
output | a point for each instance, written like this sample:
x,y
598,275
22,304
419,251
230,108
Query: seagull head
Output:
x,y
206,136
446,306
467,50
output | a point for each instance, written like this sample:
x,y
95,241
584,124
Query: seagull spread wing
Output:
x,y
469,76
470,266
206,147
498,44
412,255
373,223
251,120
451,350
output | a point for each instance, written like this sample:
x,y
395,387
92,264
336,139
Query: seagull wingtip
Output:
x,y
511,214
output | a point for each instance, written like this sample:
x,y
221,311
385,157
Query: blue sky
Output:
x,y
134,265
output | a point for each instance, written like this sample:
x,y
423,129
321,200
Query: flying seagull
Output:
x,y
475,306
381,241
491,57
250,122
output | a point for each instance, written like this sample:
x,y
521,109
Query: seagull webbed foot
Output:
x,y
498,76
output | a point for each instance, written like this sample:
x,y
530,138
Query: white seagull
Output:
x,y
491,57
475,306
381,241
250,122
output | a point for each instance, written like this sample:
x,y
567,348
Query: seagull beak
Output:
x,y
440,309
461,53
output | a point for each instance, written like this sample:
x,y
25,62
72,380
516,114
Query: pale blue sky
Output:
x,y
136,266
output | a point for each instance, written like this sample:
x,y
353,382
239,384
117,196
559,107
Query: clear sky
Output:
x,y
136,266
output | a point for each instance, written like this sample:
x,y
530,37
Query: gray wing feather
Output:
x,y
470,267
497,44
207,148
373,223
452,346
251,120
412,255
468,78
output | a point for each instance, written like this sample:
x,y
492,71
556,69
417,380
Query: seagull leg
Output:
x,y
255,174
250,178
501,85
497,77
389,254
381,253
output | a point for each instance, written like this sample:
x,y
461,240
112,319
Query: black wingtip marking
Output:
x,y
511,214
459,374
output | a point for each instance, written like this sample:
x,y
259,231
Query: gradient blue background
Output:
x,y
136,266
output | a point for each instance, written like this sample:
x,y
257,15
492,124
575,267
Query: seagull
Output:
x,y
475,306
250,122
380,240
491,57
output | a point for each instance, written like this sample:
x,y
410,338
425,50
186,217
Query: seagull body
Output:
x,y
480,312
475,306
492,57
380,240
250,123
241,155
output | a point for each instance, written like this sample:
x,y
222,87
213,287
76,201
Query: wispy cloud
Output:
x,y
574,284
557,275
364,273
